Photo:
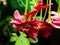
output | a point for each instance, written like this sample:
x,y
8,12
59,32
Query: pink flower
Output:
x,y
55,20
41,6
55,23
54,14
18,19
45,30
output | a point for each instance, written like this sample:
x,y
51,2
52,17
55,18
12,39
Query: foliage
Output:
x,y
57,1
20,40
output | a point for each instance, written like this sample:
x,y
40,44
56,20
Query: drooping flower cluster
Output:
x,y
33,26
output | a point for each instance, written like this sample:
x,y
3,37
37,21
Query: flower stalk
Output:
x,y
59,9
34,2
45,11
26,7
33,6
49,16
41,15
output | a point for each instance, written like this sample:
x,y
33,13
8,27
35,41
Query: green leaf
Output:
x,y
14,37
6,31
14,34
18,4
58,2
22,34
2,22
8,18
20,40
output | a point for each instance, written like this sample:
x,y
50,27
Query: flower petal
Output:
x,y
15,21
55,26
17,15
32,13
39,7
14,25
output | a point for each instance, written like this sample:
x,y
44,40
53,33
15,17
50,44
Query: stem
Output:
x,y
26,7
34,2
45,11
59,9
33,6
35,15
41,14
49,16
37,1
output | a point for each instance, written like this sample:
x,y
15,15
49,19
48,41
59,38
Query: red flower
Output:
x,y
32,32
32,13
41,6
28,27
45,30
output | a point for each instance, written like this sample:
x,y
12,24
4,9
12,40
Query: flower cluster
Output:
x,y
32,27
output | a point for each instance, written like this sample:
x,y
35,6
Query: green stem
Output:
x,y
37,1
49,16
45,11
34,2
59,9
26,7
33,7
41,14
35,15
